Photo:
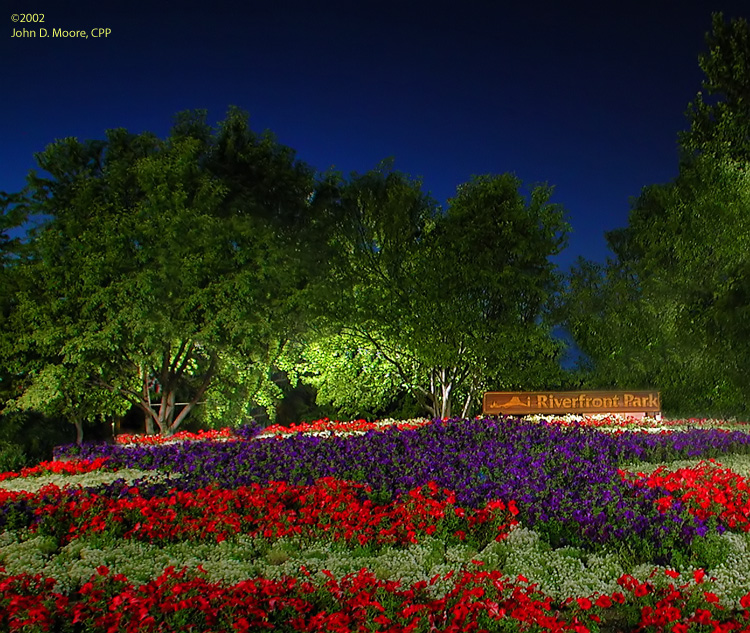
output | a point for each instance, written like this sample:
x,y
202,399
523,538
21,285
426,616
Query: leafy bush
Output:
x,y
12,457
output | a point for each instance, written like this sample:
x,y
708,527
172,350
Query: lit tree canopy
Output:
x,y
169,269
442,304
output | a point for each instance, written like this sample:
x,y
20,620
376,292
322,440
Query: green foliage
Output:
x,y
36,434
671,310
710,552
350,374
437,305
60,391
720,127
488,281
178,275
170,274
13,213
12,457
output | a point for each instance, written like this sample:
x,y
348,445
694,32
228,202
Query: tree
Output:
x,y
450,303
380,218
59,391
347,372
711,256
172,268
670,310
721,126
21,432
631,338
13,214
491,286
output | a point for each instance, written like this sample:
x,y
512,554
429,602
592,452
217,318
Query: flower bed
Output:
x,y
323,428
215,435
444,525
75,467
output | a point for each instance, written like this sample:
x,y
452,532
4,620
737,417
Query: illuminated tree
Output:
x,y
169,264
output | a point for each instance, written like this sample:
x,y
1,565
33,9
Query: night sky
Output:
x,y
588,97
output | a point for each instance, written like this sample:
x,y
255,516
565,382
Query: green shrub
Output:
x,y
12,457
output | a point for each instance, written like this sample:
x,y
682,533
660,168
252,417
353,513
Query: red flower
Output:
x,y
711,597
628,582
702,616
584,603
642,589
664,503
604,602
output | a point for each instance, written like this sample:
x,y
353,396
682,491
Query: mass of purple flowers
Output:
x,y
564,479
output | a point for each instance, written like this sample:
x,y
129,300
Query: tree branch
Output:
x,y
185,361
131,396
198,395
178,371
177,356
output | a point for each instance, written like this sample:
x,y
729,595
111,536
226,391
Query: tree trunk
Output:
x,y
440,393
447,387
79,431
166,412
207,378
148,418
467,406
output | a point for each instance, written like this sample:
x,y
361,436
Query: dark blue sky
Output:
x,y
588,97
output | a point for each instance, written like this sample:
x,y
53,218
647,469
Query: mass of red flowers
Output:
x,y
181,600
358,602
344,511
180,436
70,467
708,490
334,426
274,430
328,509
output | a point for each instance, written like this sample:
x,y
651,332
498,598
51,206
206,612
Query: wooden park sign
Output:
x,y
527,402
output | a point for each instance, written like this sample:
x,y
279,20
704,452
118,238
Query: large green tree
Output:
x,y
670,310
442,304
720,122
13,214
171,272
